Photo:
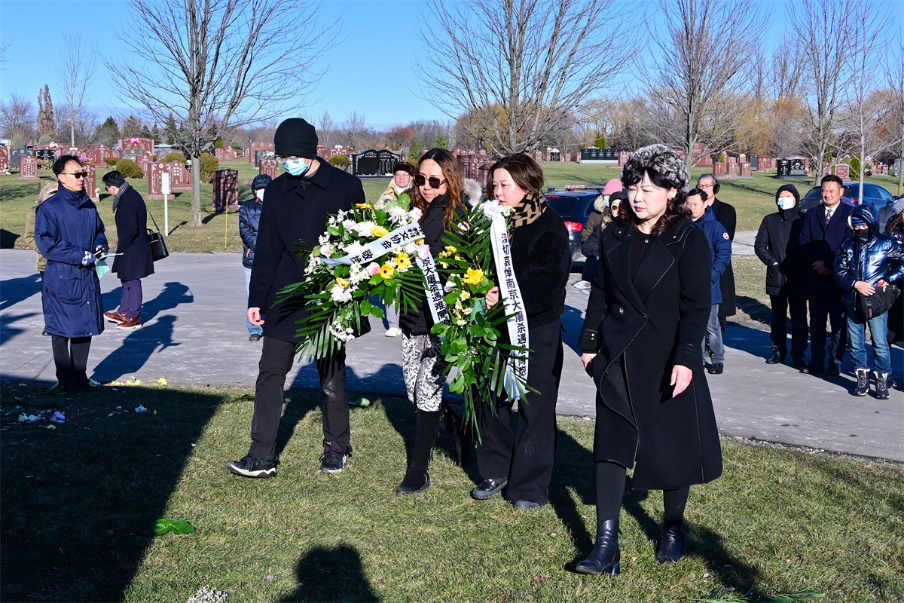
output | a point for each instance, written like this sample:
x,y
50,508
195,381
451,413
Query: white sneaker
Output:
x,y
393,332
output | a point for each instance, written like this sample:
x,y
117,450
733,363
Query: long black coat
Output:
x,y
136,261
727,217
651,323
778,246
294,211
819,242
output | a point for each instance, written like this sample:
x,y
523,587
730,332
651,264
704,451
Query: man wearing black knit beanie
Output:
x,y
298,205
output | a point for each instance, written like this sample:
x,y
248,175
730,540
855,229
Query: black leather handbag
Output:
x,y
877,304
157,241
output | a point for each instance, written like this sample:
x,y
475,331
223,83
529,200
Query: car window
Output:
x,y
564,206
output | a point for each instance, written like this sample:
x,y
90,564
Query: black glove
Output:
x,y
100,251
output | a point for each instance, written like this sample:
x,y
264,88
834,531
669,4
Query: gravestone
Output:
x,y
623,157
374,164
28,166
224,154
91,182
566,157
155,179
468,162
733,169
745,169
136,144
179,176
268,166
843,171
253,157
4,159
718,169
15,155
97,153
132,154
763,163
260,155
483,176
225,190
144,162
50,154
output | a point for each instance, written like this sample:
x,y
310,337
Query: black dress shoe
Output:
x,y
799,361
834,369
417,479
671,545
526,504
717,368
489,488
605,557
776,358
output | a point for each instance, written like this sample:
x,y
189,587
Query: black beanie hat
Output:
x,y
791,189
295,137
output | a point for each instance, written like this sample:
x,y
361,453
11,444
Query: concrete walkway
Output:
x,y
194,334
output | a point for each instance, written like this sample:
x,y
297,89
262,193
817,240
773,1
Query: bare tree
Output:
x,y
354,130
530,58
75,74
219,63
699,83
4,50
894,74
326,129
17,118
820,28
865,41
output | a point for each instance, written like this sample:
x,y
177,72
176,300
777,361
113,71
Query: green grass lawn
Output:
x,y
79,503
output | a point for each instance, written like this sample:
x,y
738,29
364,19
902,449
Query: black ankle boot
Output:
x,y
671,545
458,429
417,478
605,557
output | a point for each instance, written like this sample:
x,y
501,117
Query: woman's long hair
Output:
x,y
455,183
46,189
896,222
674,210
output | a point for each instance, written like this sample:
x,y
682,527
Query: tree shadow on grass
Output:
x,y
331,574
78,503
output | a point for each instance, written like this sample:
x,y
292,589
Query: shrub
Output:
x,y
129,169
340,161
174,156
209,164
218,143
111,161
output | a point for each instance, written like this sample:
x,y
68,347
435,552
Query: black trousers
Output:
x,y
526,457
781,306
276,360
71,359
827,308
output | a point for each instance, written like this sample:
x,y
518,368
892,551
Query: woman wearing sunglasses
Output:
x,y
541,259
439,193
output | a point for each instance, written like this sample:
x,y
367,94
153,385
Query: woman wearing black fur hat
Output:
x,y
645,319
778,246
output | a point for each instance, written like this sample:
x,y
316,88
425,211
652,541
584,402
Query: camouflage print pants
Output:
x,y
422,367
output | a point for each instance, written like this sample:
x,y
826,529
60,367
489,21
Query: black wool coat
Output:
x,y
650,323
296,209
136,261
727,217
778,247
541,258
819,242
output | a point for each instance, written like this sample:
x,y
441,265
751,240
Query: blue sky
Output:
x,y
373,31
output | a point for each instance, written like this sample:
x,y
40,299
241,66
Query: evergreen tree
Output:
x,y
107,133
170,130
131,127
441,143
46,121
155,134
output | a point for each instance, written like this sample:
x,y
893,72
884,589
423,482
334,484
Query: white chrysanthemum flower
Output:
x,y
326,250
364,228
398,215
353,248
340,294
324,239
410,248
349,225
358,274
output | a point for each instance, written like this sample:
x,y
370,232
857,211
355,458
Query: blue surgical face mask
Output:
x,y
296,167
259,193
786,202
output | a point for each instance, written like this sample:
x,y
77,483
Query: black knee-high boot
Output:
x,y
417,478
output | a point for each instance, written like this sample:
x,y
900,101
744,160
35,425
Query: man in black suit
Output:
x,y
136,261
824,229
299,202
728,218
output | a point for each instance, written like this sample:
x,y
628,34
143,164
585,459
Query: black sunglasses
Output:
x,y
435,182
78,175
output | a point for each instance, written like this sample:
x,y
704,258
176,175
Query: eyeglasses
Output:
x,y
434,182
78,175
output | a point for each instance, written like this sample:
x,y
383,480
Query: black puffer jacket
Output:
x,y
778,247
880,257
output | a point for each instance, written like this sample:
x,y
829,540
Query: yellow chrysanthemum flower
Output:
x,y
403,261
342,282
386,271
378,231
419,241
473,277
450,249
364,206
